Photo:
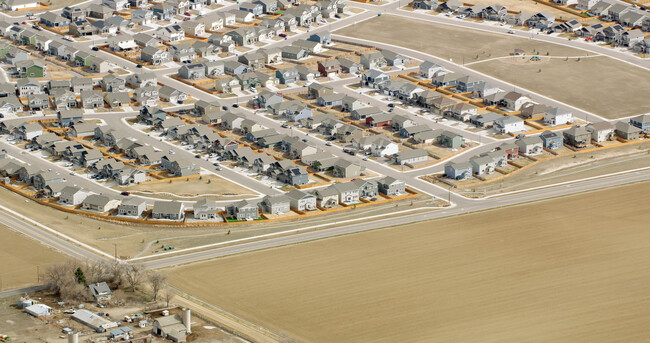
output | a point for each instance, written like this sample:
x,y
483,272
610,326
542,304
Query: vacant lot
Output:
x,y
563,270
447,41
599,85
20,257
208,186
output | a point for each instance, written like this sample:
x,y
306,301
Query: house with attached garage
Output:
x,y
410,131
287,76
132,207
327,197
117,99
10,105
98,65
513,101
276,204
46,178
91,99
121,42
367,188
171,34
99,203
466,83
508,124
557,116
350,67
642,122
532,145
112,83
69,117
495,99
411,157
141,80
71,195
171,210
461,111
64,99
373,78
601,131
347,192
52,19
28,131
427,137
430,70
38,102
192,71
482,165
428,5
345,169
243,210
551,140
578,136
329,67
390,186
80,84
301,201
373,60
627,131
30,68
205,209
394,59
459,171
450,140
632,37
172,95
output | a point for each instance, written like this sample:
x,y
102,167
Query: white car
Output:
x,y
511,32
68,38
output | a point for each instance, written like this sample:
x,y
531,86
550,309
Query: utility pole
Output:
x,y
38,275
115,244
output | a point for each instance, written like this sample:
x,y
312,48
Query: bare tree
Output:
x,y
168,295
133,275
158,281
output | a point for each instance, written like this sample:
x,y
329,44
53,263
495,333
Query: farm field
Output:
x,y
448,42
621,80
562,270
20,257
208,186
568,168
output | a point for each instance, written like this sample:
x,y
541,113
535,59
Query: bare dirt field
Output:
x,y
568,168
20,257
562,270
208,186
612,92
447,41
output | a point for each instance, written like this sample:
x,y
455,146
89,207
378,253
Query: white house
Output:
x,y
509,124
557,116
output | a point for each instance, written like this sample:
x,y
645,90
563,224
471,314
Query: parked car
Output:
x,y
235,105
282,35
94,48
125,193
139,66
511,32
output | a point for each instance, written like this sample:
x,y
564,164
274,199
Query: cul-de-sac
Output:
x,y
324,171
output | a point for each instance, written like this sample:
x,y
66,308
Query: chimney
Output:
x,y
187,320
73,337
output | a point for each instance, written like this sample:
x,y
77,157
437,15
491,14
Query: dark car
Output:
x,y
519,136
125,193
225,108
94,48
391,105
235,105
197,156
352,153
282,35
304,140
139,66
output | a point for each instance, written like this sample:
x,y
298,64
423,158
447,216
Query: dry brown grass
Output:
x,y
209,186
447,41
572,269
600,85
20,257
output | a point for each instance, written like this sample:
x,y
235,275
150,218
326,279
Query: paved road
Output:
x,y
21,291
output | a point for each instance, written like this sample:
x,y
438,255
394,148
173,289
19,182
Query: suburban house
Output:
x,y
532,145
578,136
172,210
601,131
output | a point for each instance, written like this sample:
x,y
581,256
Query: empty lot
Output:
x,y
20,257
447,41
208,186
572,269
600,85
